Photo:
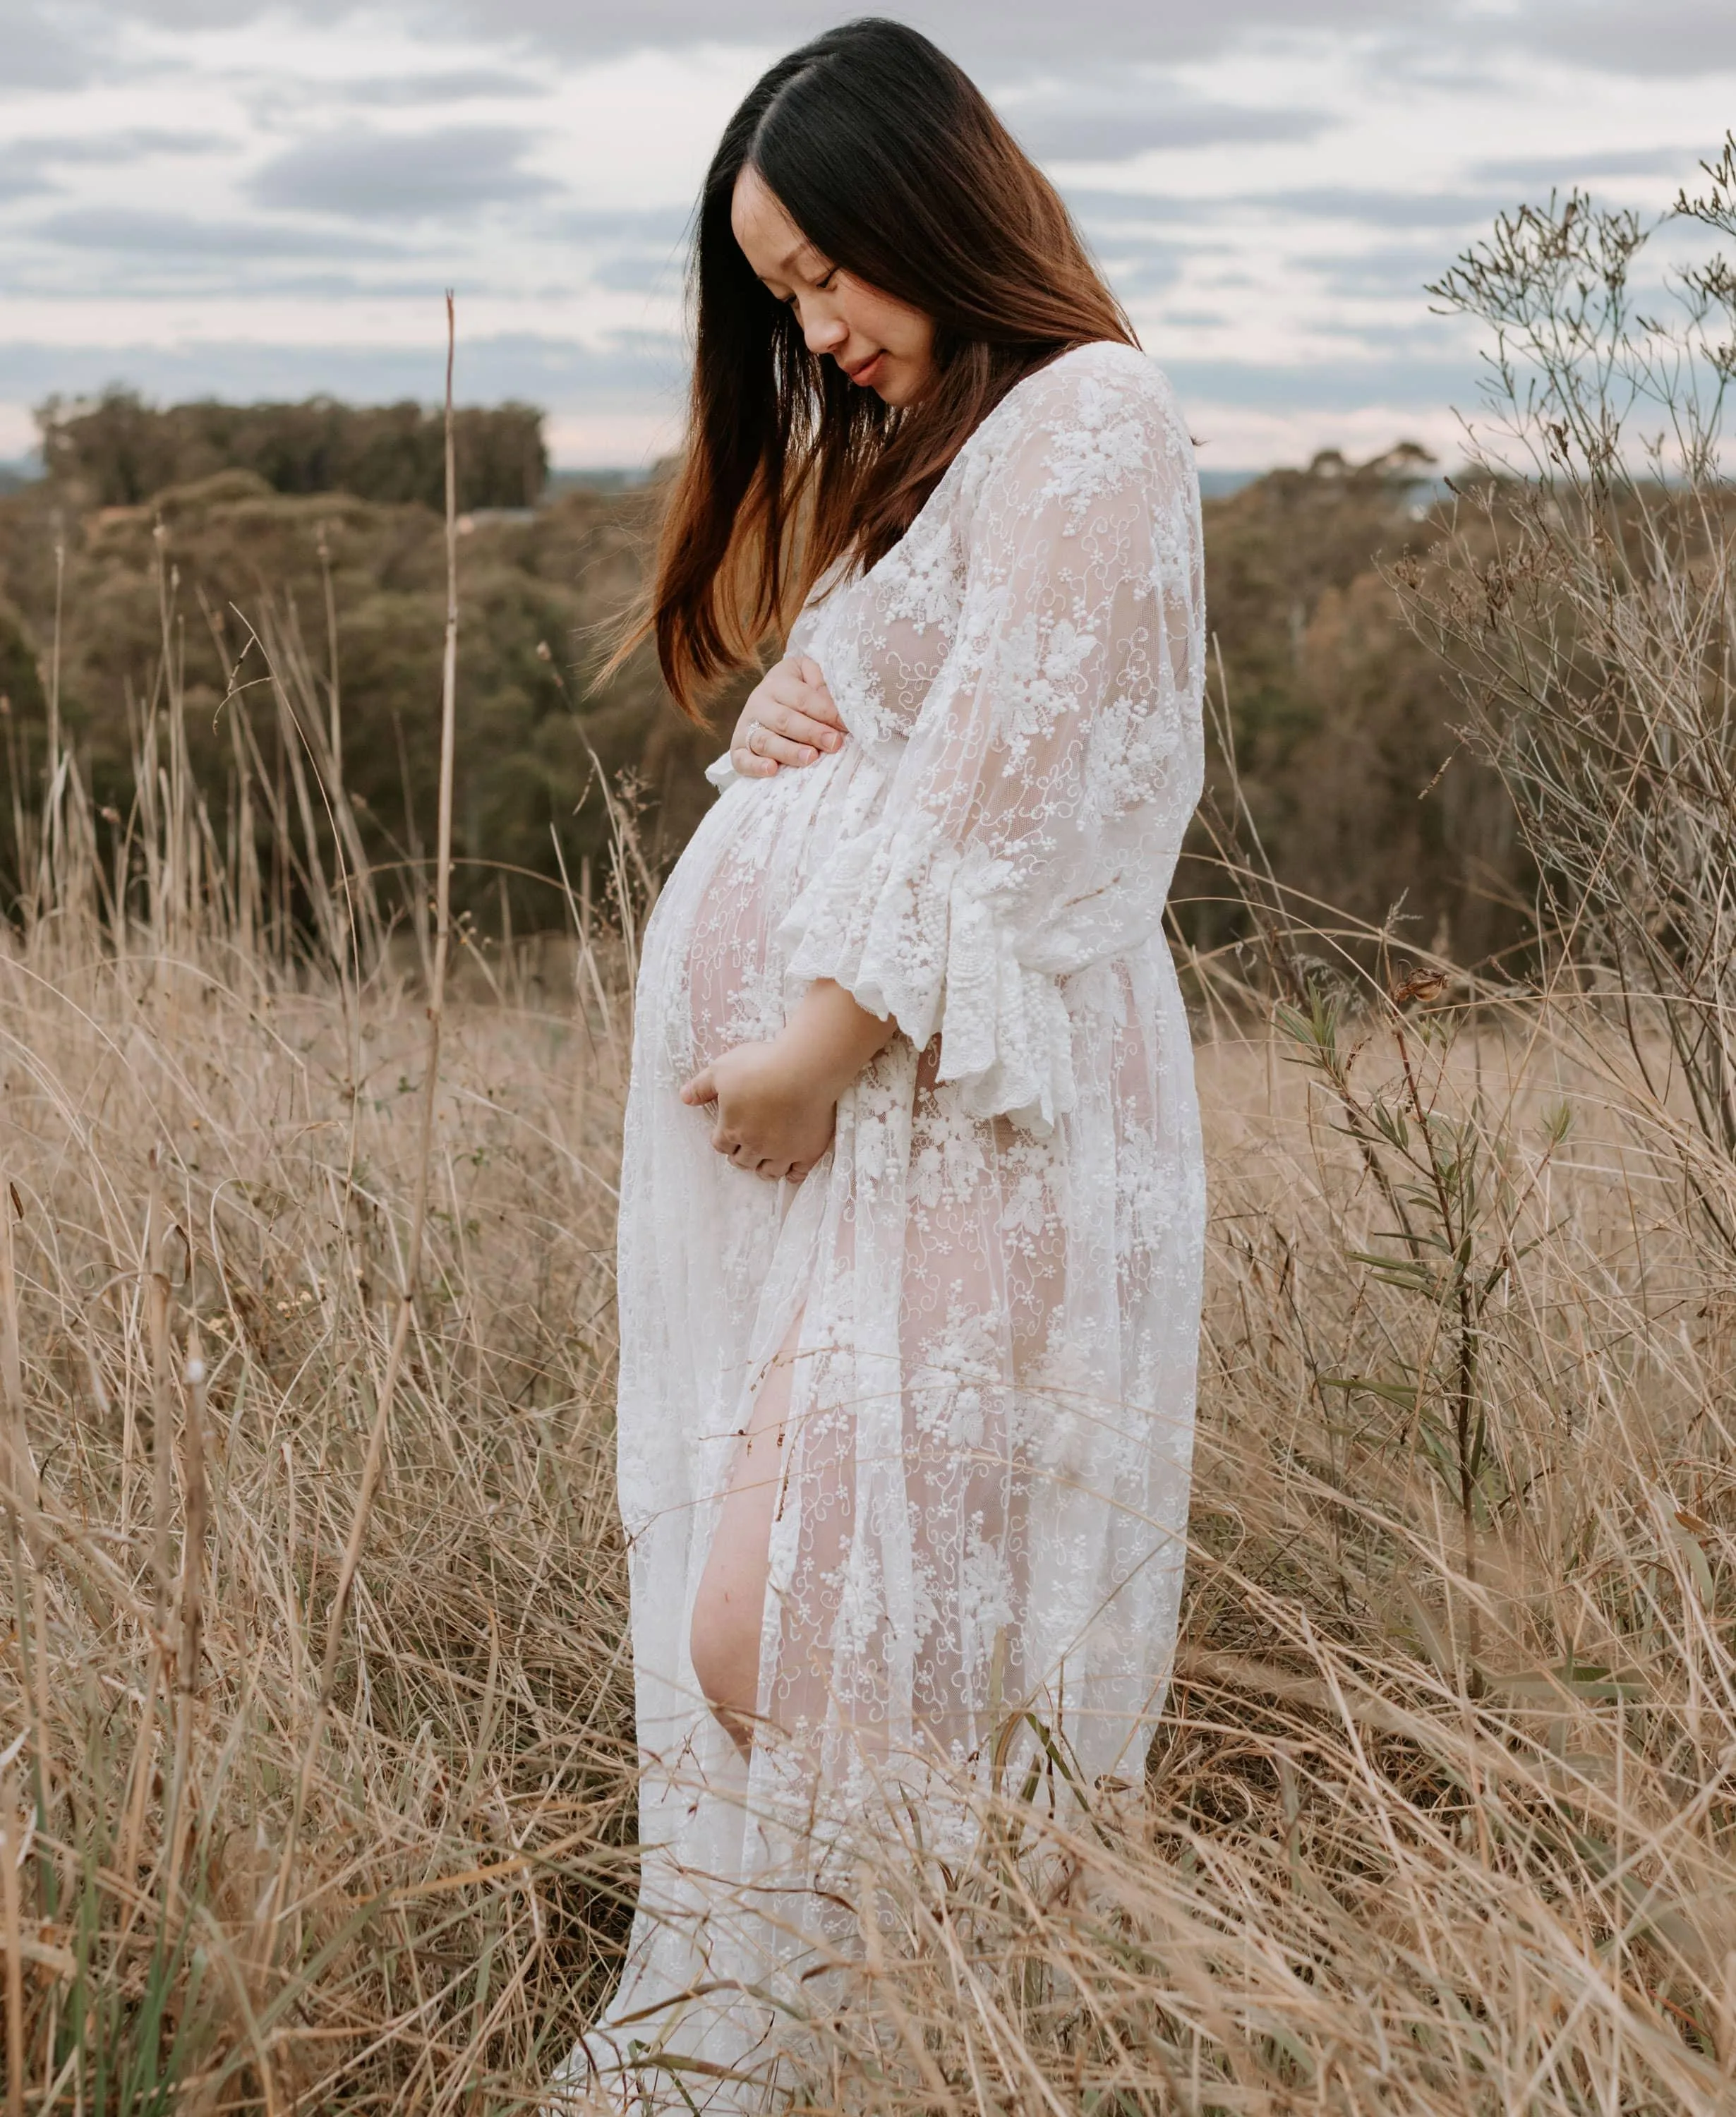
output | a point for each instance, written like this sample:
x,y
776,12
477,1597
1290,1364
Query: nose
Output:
x,y
824,334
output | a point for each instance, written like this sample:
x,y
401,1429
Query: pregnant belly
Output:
x,y
777,831
734,973
718,970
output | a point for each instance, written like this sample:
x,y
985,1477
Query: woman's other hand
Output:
x,y
769,1115
789,719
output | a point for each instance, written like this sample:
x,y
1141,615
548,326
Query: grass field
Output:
x,y
315,1757
1439,1817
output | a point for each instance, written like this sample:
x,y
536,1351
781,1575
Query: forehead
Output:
x,y
769,239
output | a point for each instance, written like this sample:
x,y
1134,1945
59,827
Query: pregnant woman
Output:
x,y
912,1202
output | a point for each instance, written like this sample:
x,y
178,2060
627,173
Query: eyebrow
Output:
x,y
790,256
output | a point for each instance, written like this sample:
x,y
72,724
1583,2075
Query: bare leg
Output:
x,y
729,1609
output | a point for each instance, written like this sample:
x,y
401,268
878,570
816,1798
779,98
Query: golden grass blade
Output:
x,y
378,1433
11,1933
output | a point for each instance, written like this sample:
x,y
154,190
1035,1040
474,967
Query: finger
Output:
x,y
814,695
785,685
782,749
819,703
806,696
750,764
700,1089
797,725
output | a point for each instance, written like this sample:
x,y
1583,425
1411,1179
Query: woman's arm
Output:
x,y
776,1102
788,720
1033,815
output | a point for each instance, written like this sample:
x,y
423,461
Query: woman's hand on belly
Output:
x,y
789,719
768,1115
776,1103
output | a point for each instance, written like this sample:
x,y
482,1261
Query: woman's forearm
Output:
x,y
829,1038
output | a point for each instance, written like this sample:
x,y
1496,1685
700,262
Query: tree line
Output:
x,y
1342,724
119,451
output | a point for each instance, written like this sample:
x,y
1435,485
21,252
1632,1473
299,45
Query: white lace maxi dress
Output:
x,y
994,1279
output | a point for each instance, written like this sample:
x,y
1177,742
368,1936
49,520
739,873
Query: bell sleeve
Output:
x,y
1034,818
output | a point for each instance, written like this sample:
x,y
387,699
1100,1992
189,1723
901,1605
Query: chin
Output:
x,y
914,379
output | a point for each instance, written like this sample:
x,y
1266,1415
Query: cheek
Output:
x,y
901,330
917,334
912,333
916,337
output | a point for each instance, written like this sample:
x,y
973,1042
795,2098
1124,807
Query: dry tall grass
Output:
x,y
1442,1813
1430,1825
275,1832
211,1190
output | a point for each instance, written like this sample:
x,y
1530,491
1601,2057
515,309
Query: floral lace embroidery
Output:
x,y
989,1287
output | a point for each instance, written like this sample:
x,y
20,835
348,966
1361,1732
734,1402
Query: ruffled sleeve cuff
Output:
x,y
913,929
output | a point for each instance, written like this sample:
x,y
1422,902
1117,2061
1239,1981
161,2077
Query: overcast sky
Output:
x,y
199,198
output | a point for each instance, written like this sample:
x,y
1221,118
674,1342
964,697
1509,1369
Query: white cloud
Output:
x,y
17,432
443,173
607,440
197,200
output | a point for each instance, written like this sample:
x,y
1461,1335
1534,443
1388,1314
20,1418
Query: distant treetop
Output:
x,y
123,450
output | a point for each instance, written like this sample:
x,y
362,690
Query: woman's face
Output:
x,y
879,343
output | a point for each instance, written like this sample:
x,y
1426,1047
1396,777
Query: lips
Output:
x,y
864,371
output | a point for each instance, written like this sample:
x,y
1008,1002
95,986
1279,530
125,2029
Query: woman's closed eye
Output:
x,y
823,286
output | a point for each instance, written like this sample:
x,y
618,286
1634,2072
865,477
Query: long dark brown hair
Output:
x,y
890,161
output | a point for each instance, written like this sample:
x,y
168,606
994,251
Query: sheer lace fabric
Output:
x,y
991,1284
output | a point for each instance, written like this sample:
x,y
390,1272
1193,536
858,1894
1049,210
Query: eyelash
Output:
x,y
821,286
